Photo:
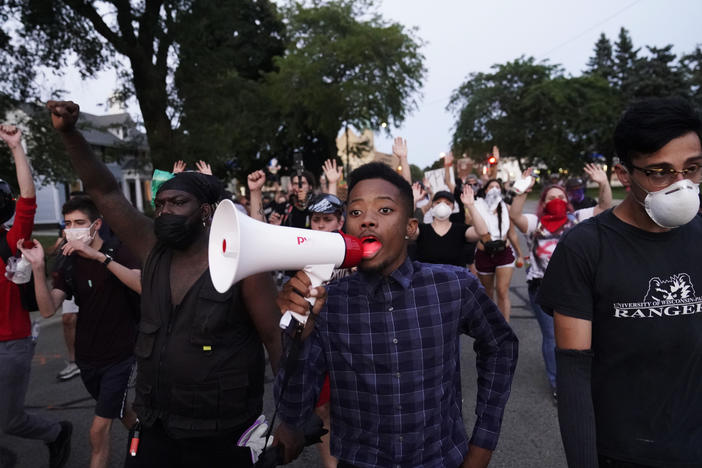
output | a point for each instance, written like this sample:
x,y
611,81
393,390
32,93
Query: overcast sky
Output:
x,y
464,36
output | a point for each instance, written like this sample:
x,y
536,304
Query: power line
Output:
x,y
578,36
562,44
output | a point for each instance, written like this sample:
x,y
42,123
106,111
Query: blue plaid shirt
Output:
x,y
391,348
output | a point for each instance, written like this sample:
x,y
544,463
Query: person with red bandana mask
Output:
x,y
554,216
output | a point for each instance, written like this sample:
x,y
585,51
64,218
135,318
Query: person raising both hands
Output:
x,y
440,241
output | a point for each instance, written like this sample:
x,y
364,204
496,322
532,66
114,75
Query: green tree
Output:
x,y
43,145
571,120
626,59
691,66
533,112
344,66
146,36
658,75
416,173
490,108
225,48
602,62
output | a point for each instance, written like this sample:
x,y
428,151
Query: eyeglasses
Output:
x,y
660,177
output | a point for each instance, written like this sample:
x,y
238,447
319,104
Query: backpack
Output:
x,y
27,295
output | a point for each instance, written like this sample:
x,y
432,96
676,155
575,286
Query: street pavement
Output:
x,y
529,438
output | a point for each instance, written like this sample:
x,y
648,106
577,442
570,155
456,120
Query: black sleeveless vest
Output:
x,y
200,363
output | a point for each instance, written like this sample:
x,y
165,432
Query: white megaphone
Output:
x,y
240,246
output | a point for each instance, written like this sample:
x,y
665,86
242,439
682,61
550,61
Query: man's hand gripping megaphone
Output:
x,y
303,296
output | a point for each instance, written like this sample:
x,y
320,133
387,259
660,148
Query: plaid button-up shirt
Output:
x,y
391,348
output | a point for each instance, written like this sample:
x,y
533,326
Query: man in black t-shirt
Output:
x,y
296,214
105,280
625,290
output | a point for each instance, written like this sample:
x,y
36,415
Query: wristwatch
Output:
x,y
107,260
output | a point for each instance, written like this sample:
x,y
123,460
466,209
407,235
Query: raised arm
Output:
x,y
13,137
26,206
604,198
178,166
515,210
203,167
448,162
255,181
132,227
418,193
399,149
332,174
478,226
48,300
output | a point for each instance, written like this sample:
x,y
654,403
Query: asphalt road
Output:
x,y
529,437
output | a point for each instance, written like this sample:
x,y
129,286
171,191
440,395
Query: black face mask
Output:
x,y
177,231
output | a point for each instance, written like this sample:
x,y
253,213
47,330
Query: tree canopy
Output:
x,y
344,66
230,81
533,111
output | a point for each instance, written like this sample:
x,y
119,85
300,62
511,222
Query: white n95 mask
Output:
x,y
441,211
675,205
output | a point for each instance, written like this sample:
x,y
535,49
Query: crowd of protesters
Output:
x,y
377,360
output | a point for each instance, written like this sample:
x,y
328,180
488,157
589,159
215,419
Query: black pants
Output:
x,y
157,449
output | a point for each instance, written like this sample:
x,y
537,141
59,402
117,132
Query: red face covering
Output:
x,y
555,215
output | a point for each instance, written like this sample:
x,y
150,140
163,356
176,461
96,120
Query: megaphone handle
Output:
x,y
317,274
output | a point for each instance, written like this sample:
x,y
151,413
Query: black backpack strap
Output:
x,y
5,251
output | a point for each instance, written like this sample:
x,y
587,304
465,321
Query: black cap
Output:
x,y
325,203
574,182
444,194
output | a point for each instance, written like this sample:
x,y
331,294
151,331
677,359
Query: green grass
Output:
x,y
47,242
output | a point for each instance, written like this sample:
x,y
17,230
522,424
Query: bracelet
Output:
x,y
107,260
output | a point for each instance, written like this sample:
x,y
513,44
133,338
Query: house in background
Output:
x,y
355,150
115,137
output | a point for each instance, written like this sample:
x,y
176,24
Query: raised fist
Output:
x,y
64,114
11,135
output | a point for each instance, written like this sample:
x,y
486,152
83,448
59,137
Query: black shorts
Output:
x,y
108,385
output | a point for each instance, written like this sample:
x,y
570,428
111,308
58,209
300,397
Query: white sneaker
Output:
x,y
68,372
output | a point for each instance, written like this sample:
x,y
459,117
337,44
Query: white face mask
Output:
x,y
441,211
673,206
80,234
493,197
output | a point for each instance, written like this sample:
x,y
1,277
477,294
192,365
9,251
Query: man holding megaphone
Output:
x,y
199,354
388,336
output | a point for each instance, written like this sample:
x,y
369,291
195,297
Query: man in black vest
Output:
x,y
199,354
